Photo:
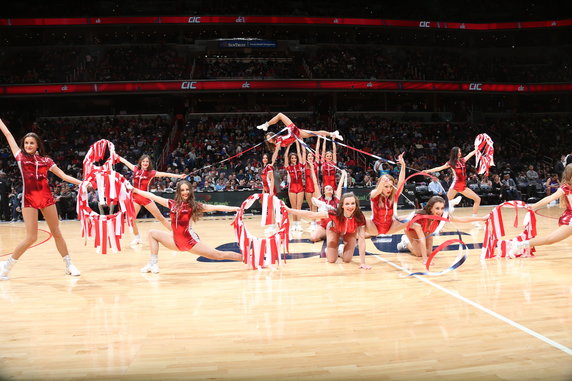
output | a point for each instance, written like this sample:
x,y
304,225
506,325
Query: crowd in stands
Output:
x,y
175,62
435,64
261,67
119,63
38,65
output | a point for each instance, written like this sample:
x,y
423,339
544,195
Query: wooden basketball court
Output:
x,y
494,320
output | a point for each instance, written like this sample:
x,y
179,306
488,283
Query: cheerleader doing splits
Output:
x,y
418,238
143,174
458,164
292,134
346,222
34,167
382,202
564,229
184,210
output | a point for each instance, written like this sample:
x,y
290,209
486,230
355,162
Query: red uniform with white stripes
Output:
x,y
333,202
141,180
265,179
329,174
566,217
296,182
36,191
309,187
184,236
343,225
382,216
290,137
460,176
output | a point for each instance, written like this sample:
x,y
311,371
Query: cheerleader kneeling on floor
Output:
x,y
346,222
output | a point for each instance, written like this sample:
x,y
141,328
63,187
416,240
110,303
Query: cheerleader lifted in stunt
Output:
x,y
292,134
143,174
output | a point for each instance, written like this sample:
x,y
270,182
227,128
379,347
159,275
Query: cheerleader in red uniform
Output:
x,y
328,201
34,167
293,133
184,210
311,188
346,222
267,175
294,165
382,203
459,185
328,166
564,229
143,174
418,238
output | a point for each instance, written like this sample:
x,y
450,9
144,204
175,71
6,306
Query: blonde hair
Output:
x,y
386,177
566,180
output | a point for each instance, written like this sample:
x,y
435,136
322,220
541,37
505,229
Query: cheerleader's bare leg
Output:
x,y
135,228
469,193
332,239
154,210
561,233
318,235
350,243
305,134
211,253
51,216
30,216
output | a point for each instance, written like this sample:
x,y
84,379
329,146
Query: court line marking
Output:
x,y
494,314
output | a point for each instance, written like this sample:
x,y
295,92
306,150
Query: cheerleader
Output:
x,y
346,222
184,210
294,165
459,185
267,175
418,238
310,184
143,174
382,202
564,230
328,201
328,166
276,142
34,167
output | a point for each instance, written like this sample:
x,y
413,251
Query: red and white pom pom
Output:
x,y
112,189
97,153
494,230
484,155
261,252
